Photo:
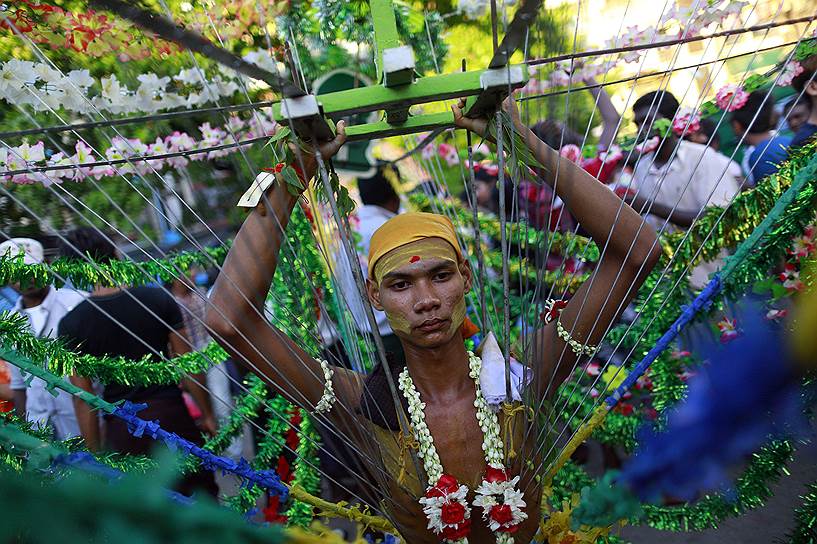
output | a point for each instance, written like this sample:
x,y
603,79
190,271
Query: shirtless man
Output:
x,y
423,298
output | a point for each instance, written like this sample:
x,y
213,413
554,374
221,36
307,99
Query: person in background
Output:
x,y
806,84
43,308
765,150
795,114
678,179
135,323
707,134
380,203
8,298
545,209
192,301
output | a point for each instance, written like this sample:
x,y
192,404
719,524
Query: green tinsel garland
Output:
x,y
24,446
245,409
84,274
517,233
752,490
299,513
805,530
268,449
749,209
135,510
14,330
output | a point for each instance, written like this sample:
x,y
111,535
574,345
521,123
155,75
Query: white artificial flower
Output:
x,y
172,100
473,9
152,83
46,73
30,153
189,76
23,70
112,91
80,78
10,85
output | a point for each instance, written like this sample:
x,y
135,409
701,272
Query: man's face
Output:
x,y
484,190
798,116
644,118
31,292
424,298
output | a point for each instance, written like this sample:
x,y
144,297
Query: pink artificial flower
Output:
x,y
791,278
428,152
571,152
680,354
729,329
648,146
731,97
449,154
803,246
686,123
774,314
559,78
790,71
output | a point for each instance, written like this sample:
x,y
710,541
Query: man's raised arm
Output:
x,y
235,313
630,251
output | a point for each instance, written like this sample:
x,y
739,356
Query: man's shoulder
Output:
x,y
804,134
75,316
69,297
776,146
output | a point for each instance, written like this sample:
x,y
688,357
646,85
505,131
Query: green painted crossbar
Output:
x,y
397,90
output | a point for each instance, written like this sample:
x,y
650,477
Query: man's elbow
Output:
x,y
646,252
220,324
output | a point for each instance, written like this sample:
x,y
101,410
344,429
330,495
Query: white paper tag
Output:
x,y
252,196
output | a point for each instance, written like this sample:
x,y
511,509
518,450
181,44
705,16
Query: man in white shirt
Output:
x,y
380,203
44,307
679,178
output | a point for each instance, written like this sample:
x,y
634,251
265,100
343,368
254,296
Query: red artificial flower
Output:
x,y
501,514
494,475
457,532
292,439
624,409
414,259
445,485
283,469
554,308
569,539
278,167
271,514
452,512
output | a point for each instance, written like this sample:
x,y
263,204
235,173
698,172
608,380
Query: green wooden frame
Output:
x,y
395,100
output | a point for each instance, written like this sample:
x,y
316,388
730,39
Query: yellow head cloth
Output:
x,y
407,228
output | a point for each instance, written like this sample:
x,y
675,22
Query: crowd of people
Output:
x,y
669,180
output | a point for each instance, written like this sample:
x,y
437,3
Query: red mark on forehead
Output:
x,y
414,259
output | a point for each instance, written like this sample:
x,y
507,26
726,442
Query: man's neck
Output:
x,y
35,299
812,120
100,291
758,138
664,151
440,373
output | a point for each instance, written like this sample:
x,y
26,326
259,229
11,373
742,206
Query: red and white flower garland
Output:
x,y
445,502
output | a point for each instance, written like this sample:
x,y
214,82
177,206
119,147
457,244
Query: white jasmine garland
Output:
x,y
328,398
496,494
